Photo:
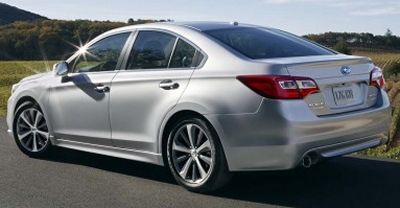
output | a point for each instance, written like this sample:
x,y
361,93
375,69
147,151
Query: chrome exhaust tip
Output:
x,y
306,162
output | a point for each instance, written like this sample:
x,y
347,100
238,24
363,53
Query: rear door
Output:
x,y
156,74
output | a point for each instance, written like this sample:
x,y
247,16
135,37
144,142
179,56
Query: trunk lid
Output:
x,y
344,82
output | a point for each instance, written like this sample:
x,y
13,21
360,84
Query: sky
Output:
x,y
300,17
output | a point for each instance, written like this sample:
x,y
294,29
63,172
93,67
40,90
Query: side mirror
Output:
x,y
61,68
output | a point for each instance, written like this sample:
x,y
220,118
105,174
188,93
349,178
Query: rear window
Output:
x,y
260,43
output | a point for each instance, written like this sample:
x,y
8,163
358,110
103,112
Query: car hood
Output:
x,y
36,77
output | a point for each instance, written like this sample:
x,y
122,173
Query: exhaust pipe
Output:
x,y
306,162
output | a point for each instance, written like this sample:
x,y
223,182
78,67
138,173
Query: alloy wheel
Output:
x,y
192,154
31,130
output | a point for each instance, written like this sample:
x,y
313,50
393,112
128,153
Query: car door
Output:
x,y
80,100
154,80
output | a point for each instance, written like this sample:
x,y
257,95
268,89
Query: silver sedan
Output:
x,y
204,99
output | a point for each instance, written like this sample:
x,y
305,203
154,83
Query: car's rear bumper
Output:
x,y
281,133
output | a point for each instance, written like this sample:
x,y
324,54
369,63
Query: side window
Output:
x,y
183,55
102,55
151,50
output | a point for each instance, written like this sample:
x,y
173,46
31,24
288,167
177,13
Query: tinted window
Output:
x,y
101,56
151,50
183,55
258,43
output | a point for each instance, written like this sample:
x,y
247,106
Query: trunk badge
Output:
x,y
345,70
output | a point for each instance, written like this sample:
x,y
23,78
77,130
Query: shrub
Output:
x,y
389,85
395,88
394,141
391,70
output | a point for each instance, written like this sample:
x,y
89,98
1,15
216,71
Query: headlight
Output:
x,y
14,87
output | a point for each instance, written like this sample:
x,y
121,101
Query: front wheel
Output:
x,y
195,156
31,132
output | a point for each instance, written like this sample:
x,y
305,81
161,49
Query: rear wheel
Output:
x,y
195,156
31,132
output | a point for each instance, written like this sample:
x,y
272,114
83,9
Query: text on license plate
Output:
x,y
343,95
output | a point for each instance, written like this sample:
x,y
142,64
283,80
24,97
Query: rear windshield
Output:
x,y
260,43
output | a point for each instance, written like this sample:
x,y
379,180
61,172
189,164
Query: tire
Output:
x,y
195,156
31,132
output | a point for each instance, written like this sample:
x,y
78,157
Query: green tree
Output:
x,y
341,46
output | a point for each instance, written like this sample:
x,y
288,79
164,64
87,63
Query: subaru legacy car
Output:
x,y
204,99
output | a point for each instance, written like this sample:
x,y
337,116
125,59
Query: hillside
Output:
x,y
10,14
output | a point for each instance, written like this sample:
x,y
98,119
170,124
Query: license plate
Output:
x,y
344,95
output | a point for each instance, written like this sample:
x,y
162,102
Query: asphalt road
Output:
x,y
75,179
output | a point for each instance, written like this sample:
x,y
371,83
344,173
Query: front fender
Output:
x,y
26,93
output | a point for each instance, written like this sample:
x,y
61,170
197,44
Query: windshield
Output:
x,y
260,43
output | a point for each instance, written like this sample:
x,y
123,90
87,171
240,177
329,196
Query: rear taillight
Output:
x,y
376,78
280,87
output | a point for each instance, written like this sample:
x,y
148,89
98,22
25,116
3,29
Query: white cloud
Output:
x,y
377,11
354,7
354,4
291,1
276,1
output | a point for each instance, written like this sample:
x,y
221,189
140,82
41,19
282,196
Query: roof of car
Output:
x,y
203,26
194,25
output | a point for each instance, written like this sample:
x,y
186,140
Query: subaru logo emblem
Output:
x,y
345,70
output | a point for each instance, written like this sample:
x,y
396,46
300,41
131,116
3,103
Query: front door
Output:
x,y
80,100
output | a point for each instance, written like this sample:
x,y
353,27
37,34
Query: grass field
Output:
x,y
380,57
13,71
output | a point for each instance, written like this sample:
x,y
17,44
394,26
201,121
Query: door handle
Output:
x,y
102,89
168,85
